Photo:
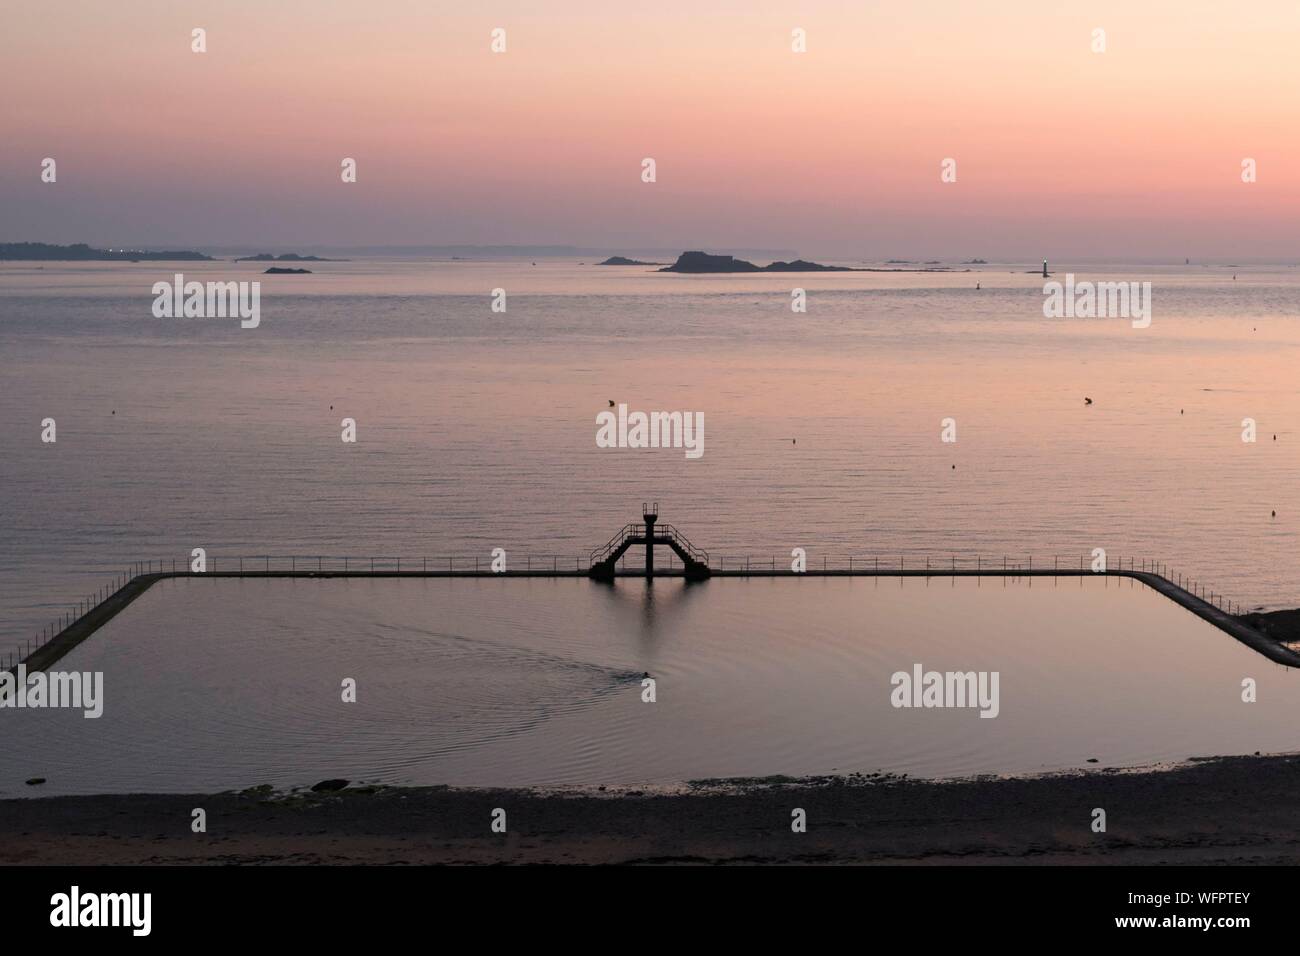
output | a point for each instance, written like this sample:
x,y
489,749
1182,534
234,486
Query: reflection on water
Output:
x,y
662,604
213,684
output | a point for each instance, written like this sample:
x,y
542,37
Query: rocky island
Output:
x,y
624,261
705,263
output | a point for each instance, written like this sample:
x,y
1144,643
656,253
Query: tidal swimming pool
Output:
x,y
229,683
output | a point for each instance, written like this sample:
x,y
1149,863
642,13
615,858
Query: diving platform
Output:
x,y
695,562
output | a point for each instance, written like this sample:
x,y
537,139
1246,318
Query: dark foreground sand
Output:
x,y
1223,810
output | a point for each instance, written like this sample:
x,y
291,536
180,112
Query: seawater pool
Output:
x,y
229,683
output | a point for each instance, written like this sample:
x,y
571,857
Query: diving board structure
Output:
x,y
695,563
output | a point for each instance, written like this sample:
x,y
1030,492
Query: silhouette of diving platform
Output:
x,y
695,563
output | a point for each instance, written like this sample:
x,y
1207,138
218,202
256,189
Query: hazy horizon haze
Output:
x,y
1131,153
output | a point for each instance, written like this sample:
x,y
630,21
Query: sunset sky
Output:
x,y
1135,152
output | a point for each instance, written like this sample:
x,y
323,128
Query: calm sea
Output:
x,y
476,429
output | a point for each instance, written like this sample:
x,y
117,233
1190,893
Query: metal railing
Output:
x,y
614,543
696,554
555,564
663,532
9,660
978,564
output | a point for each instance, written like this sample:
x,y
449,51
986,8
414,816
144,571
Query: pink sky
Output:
x,y
1135,152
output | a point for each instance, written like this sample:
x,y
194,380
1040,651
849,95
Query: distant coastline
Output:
x,y
81,252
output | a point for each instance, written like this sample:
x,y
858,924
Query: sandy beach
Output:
x,y
1230,810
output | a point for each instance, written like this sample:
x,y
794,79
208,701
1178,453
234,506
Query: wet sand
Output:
x,y
1233,810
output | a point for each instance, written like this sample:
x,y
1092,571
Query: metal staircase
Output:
x,y
695,561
